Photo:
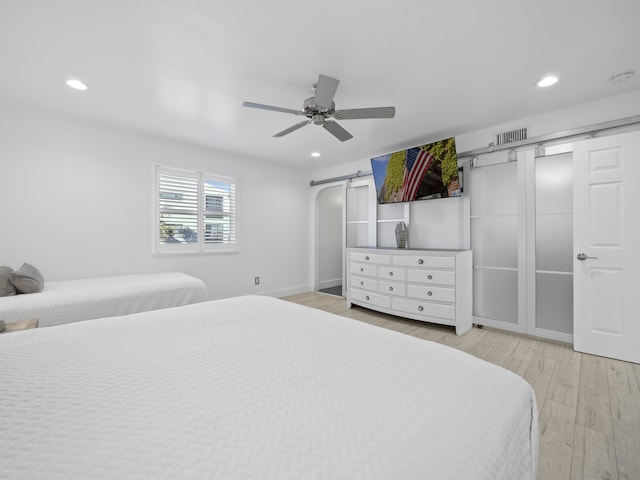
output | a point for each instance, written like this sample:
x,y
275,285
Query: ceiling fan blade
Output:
x,y
336,130
269,107
378,112
325,90
292,128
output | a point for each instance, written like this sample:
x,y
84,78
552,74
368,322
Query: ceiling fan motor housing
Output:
x,y
311,108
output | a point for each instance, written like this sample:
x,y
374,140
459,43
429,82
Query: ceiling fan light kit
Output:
x,y
320,109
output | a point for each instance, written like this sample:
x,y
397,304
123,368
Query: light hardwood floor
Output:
x,y
589,406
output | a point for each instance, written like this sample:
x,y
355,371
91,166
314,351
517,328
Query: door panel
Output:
x,y
550,230
605,317
606,215
495,225
554,302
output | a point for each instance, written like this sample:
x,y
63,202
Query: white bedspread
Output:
x,y
88,298
255,388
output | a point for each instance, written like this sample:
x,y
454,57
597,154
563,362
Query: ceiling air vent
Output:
x,y
511,136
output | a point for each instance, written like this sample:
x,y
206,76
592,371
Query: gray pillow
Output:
x,y
27,279
6,287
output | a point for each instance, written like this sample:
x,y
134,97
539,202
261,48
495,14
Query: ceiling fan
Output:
x,y
320,109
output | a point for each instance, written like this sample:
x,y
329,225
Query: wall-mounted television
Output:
x,y
418,173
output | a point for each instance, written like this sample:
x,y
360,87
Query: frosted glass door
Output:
x,y
494,241
522,241
554,246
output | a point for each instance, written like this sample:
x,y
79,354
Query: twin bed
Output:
x,y
257,388
88,298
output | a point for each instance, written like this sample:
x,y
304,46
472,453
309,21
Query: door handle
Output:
x,y
583,256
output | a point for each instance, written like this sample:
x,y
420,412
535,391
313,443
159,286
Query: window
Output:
x,y
196,212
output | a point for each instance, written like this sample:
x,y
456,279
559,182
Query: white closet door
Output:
x,y
607,246
495,201
550,247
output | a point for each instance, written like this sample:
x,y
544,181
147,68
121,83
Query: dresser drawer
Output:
x,y
390,273
372,298
435,294
424,261
417,307
363,269
431,277
370,258
391,288
364,283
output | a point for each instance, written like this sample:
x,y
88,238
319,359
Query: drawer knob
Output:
x,y
361,269
361,283
430,277
420,308
420,262
367,257
391,289
391,274
429,293
367,297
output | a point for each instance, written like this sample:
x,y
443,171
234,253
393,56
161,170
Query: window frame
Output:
x,y
200,246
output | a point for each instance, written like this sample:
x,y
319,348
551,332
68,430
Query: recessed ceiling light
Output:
x,y
315,154
77,84
547,81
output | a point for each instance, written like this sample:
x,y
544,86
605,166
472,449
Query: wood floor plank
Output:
x,y
522,355
557,427
566,376
594,403
593,456
625,409
504,349
462,342
490,344
622,377
539,376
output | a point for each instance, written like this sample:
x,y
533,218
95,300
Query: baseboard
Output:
x,y
336,282
285,292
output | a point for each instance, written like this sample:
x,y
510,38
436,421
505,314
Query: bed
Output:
x,y
84,299
256,388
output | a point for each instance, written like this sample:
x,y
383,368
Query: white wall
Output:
x,y
612,108
76,200
446,225
329,236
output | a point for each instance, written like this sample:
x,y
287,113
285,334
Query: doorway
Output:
x,y
329,240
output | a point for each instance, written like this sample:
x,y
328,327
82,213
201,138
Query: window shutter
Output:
x,y
196,212
219,205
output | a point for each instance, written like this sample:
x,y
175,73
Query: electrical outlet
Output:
x,y
256,280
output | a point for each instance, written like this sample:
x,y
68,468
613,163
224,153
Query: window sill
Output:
x,y
205,253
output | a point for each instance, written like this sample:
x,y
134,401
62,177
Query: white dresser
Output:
x,y
429,285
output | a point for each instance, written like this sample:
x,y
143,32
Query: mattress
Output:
x,y
255,388
89,298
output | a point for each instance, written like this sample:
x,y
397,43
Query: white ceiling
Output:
x,y
182,68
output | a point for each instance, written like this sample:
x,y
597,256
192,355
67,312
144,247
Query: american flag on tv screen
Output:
x,y
416,166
